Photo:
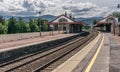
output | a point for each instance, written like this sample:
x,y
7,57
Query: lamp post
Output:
x,y
39,23
21,27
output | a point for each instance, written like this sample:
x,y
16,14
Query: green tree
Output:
x,y
44,27
12,25
116,14
18,27
21,25
2,20
26,27
1,28
5,27
39,24
94,22
33,26
86,27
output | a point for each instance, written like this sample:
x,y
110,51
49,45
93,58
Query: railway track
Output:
x,y
47,60
56,62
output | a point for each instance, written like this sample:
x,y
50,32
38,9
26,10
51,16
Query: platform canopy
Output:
x,y
107,21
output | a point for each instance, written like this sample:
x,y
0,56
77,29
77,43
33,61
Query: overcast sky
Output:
x,y
79,8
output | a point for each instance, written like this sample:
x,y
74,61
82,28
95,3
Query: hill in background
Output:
x,y
89,21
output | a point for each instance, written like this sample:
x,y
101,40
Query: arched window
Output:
x,y
63,20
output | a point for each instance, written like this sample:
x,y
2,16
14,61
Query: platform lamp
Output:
x,y
39,19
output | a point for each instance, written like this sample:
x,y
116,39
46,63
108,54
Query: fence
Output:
x,y
13,37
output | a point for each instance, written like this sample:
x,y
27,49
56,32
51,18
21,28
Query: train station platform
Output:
x,y
4,46
100,55
108,59
75,60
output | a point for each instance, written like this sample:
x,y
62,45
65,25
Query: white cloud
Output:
x,y
52,7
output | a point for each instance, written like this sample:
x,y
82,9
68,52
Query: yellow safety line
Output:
x,y
95,56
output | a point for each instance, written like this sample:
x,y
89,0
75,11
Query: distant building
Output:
x,y
109,24
66,23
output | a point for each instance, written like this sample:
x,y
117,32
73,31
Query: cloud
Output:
x,y
52,7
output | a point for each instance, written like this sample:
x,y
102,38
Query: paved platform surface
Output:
x,y
115,55
14,44
71,63
107,60
101,64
